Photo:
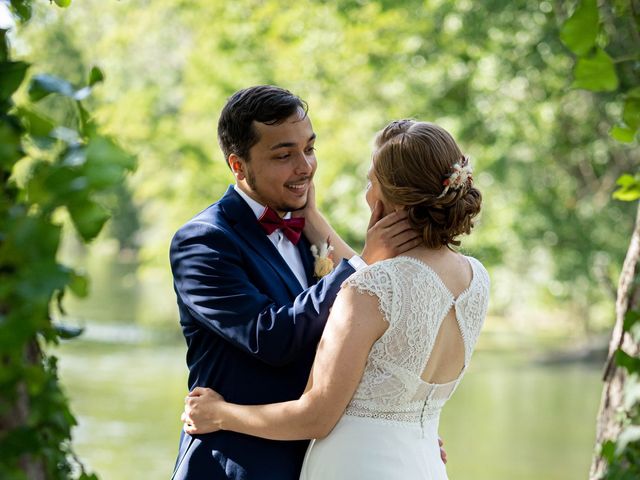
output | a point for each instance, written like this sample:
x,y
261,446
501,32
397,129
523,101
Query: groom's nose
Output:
x,y
305,164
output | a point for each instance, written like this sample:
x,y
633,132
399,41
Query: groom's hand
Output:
x,y
388,236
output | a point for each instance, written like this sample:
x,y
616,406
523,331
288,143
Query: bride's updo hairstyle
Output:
x,y
419,166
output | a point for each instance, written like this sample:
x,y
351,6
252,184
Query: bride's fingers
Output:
x,y
395,224
376,214
388,220
311,194
406,246
404,237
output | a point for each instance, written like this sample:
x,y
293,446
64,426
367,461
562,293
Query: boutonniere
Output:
x,y
323,264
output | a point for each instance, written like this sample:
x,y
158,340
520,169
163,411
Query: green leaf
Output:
x,y
106,162
63,3
102,149
67,135
631,392
82,93
624,360
10,144
634,331
628,435
88,217
22,8
608,450
623,134
37,125
67,331
43,85
53,185
630,319
59,296
4,46
95,76
629,188
631,112
79,284
11,76
85,126
627,180
596,73
580,30
88,476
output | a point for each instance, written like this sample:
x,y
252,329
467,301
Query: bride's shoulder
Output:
x,y
479,269
376,273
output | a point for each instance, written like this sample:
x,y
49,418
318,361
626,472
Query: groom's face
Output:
x,y
281,165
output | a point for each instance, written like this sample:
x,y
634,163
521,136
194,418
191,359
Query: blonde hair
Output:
x,y
412,162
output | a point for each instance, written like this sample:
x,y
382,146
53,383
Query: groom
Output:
x,y
251,310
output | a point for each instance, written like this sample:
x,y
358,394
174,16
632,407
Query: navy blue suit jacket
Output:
x,y
251,333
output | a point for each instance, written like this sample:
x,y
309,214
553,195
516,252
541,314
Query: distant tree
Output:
x,y
492,72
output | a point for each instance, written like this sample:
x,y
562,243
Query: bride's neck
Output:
x,y
424,252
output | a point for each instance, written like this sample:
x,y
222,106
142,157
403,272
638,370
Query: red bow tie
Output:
x,y
270,221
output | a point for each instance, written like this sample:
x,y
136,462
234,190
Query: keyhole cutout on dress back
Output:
x,y
447,356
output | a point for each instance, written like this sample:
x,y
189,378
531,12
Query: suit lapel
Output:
x,y
304,247
244,221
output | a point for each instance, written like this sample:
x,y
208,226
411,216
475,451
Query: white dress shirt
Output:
x,y
287,250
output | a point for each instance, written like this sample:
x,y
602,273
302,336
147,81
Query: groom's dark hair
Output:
x,y
263,103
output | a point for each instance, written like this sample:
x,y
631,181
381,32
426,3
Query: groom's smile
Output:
x,y
299,188
281,164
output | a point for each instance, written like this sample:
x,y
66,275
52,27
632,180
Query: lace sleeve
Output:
x,y
375,280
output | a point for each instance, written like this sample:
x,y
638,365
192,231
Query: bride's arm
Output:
x,y
354,324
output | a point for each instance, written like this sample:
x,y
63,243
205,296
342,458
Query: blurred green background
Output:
x,y
494,73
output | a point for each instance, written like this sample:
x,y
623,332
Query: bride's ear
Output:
x,y
391,208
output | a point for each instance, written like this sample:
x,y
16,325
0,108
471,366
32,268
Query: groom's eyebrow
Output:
x,y
291,144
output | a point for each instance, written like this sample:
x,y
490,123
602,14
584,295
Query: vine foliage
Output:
x,y
605,40
50,171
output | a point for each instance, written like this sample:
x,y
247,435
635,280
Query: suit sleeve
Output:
x,y
211,281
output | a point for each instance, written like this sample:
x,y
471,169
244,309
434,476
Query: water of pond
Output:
x,y
510,418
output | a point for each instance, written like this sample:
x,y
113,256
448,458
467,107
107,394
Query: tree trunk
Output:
x,y
608,427
17,416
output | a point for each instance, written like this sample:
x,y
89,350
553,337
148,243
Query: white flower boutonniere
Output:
x,y
324,261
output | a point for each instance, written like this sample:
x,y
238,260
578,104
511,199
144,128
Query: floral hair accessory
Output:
x,y
324,259
462,175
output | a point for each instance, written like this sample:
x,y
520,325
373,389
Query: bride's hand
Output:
x,y
316,228
311,207
202,411
388,236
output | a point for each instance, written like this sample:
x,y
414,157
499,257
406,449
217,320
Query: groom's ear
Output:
x,y
237,166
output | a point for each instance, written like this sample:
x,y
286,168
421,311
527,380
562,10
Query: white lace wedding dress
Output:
x,y
390,428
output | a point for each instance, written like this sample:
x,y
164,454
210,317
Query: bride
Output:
x,y
400,334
